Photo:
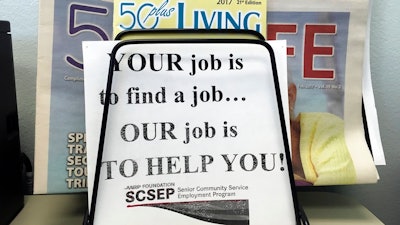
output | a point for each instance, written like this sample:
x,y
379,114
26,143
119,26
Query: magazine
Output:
x,y
60,151
369,102
60,145
60,162
181,136
326,41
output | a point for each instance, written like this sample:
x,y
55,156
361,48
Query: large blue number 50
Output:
x,y
130,13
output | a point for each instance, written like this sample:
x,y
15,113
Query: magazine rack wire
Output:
x,y
179,37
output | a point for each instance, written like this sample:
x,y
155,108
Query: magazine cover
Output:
x,y
60,161
186,122
326,41
60,152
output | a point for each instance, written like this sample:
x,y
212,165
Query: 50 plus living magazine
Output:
x,y
60,144
51,151
60,139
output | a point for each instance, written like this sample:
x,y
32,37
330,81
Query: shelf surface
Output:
x,y
325,208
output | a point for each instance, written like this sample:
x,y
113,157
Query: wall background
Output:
x,y
382,198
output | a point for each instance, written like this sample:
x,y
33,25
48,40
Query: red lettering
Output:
x,y
275,29
311,50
